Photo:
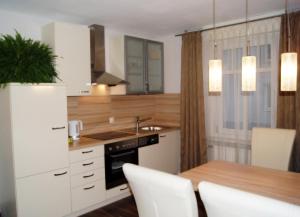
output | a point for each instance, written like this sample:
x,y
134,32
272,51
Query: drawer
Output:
x,y
86,153
87,165
117,191
87,177
88,195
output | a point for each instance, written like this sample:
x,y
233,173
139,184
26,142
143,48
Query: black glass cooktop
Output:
x,y
108,135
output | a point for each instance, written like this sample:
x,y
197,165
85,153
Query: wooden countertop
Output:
x,y
85,142
281,185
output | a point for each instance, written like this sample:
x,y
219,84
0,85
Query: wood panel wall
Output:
x,y
95,111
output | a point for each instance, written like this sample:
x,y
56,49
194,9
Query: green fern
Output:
x,y
25,61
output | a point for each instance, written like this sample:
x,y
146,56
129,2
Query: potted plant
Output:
x,y
25,61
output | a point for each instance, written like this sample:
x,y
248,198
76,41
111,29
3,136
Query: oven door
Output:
x,y
114,175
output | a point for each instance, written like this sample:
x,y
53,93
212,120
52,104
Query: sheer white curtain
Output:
x,y
231,115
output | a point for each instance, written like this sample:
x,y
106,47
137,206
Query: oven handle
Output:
x,y
122,154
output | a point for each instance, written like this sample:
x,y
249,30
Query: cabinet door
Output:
x,y
147,159
155,67
44,195
166,153
71,44
39,121
170,146
135,65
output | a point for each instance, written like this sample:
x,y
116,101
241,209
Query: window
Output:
x,y
231,115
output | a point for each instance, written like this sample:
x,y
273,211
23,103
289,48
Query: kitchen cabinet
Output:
x,y
34,150
144,66
39,120
71,44
46,194
88,177
164,156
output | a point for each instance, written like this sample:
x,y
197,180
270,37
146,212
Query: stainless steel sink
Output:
x,y
151,128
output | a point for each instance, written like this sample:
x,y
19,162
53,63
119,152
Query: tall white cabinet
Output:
x,y
34,169
71,45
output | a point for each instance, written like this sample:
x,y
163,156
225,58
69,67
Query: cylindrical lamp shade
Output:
x,y
249,73
215,76
288,81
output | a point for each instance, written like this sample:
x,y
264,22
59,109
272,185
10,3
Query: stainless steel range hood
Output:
x,y
99,75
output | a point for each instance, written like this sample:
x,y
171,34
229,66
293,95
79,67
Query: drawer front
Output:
x,y
117,191
86,153
87,165
88,195
87,177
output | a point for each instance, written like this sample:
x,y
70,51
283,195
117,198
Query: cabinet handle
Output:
x,y
87,164
60,174
88,188
88,176
86,152
84,91
58,128
123,189
162,136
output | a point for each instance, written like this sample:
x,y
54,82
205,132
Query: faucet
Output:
x,y
139,121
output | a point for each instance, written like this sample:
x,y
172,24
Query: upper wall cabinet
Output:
x,y
71,44
144,66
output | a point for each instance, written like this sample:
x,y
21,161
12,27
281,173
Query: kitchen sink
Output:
x,y
151,128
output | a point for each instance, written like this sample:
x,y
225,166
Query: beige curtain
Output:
x,y
193,145
288,109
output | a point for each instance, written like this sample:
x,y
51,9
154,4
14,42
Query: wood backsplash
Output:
x,y
95,111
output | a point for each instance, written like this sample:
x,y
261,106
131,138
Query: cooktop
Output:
x,y
109,135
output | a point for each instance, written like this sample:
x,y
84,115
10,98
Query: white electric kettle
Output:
x,y
75,126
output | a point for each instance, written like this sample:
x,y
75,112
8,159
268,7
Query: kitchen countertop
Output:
x,y
85,142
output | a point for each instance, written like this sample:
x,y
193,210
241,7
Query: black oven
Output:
x,y
116,154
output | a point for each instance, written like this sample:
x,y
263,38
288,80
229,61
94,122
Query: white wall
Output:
x,y
172,61
27,25
30,26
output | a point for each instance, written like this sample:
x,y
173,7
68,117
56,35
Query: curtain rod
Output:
x,y
233,24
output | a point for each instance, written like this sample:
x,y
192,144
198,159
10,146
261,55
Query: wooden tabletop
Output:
x,y
276,184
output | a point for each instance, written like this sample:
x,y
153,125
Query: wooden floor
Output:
x,y
127,208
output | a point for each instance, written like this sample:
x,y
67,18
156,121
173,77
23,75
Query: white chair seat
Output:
x,y
221,201
159,194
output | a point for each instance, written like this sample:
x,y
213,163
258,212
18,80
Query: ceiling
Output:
x,y
156,17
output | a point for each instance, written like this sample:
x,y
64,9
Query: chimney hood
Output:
x,y
98,73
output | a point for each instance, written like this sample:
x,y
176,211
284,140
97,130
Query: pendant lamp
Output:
x,y
215,65
288,81
248,64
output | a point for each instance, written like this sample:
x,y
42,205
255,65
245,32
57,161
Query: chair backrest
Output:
x,y
221,201
271,148
159,194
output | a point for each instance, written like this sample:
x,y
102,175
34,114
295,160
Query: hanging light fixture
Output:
x,y
248,64
288,81
215,65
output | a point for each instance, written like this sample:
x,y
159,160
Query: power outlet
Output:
x,y
111,120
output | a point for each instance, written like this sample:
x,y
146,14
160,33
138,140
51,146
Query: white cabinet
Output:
x,y
88,194
34,150
39,119
164,156
88,177
71,44
46,195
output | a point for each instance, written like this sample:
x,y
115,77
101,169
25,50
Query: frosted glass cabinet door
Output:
x,y
135,65
155,67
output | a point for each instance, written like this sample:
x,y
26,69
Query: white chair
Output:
x,y
271,148
221,201
158,194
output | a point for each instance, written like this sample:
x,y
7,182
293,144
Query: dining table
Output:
x,y
276,184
